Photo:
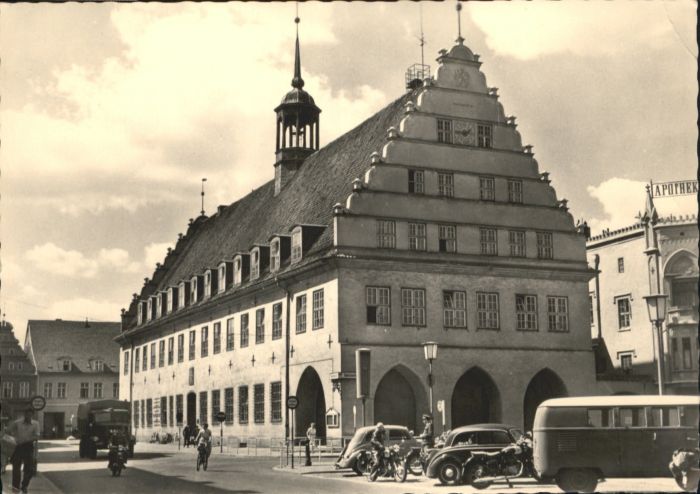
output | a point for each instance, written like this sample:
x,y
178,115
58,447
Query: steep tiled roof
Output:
x,y
323,180
51,340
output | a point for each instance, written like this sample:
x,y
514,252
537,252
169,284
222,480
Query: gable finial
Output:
x,y
297,82
460,40
202,211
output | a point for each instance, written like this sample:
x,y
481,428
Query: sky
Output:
x,y
112,113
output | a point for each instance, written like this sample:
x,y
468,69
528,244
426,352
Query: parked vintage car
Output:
x,y
447,463
396,434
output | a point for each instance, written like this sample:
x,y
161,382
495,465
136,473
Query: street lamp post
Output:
x,y
430,349
656,305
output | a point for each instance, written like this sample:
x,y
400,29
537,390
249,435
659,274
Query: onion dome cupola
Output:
x,y
297,126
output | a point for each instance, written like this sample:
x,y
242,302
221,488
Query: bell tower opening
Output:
x,y
297,126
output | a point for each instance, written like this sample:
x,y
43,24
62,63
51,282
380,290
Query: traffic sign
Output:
x,y
292,402
220,416
38,402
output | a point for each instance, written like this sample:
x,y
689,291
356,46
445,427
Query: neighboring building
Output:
x,y
17,375
428,221
624,334
76,362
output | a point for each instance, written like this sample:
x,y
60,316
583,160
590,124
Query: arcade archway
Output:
x,y
400,398
545,385
475,399
312,404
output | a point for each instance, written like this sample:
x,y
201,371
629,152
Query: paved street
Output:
x,y
163,469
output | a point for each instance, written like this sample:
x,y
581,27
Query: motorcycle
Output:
x,y
685,468
417,458
484,468
390,464
117,459
202,457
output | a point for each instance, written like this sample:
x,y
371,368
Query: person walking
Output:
x,y
186,435
26,433
310,441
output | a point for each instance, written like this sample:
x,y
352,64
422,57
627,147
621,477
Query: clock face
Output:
x,y
462,77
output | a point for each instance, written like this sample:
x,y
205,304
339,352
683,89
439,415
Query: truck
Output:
x,y
98,420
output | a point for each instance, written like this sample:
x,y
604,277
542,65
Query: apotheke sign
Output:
x,y
679,188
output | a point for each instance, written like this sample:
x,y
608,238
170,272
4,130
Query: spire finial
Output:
x,y
460,40
203,180
297,82
422,37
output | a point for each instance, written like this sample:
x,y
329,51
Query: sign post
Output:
x,y
292,403
221,416
38,403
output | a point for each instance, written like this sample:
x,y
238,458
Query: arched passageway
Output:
x,y
400,398
545,385
191,410
312,404
475,399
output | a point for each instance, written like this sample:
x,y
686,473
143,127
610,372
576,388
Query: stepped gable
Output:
x,y
53,339
323,180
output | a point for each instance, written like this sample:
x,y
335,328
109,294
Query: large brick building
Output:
x,y
430,221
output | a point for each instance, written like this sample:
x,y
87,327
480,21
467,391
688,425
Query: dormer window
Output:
x,y
159,305
237,271
275,255
139,313
194,288
171,303
296,245
182,295
149,309
97,365
65,365
241,268
222,277
207,284
255,264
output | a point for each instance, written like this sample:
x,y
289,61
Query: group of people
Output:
x,y
379,437
195,436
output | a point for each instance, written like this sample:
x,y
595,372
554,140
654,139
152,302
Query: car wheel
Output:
x,y
577,480
449,472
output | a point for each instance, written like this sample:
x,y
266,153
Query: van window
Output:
x,y
663,417
600,417
397,434
631,417
689,416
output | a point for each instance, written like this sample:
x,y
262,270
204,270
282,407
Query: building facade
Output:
x,y
75,362
627,271
17,376
430,221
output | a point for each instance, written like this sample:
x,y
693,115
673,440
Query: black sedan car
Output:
x,y
446,463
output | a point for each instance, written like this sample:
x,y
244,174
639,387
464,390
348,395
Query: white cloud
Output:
x,y
623,199
53,259
80,308
527,30
117,259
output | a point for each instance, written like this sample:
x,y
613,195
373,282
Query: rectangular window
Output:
x,y
228,405
379,305
600,417
444,130
276,402
161,353
217,338
516,239
259,403
171,350
687,355
484,133
317,322
171,411
386,234
204,351
620,264
6,389
126,363
243,404
145,358
301,314
624,313
277,321
115,391
447,241
489,241
487,188
591,306
558,313
229,334
190,376
296,245
203,408
222,278
625,361
545,246
487,311
66,365
97,390
515,191
24,390
193,344
137,359
180,347
454,309
137,414
526,312
153,355
48,390
663,417
149,412
675,355
413,306
417,236
446,184
215,404
163,411
179,409
259,326
61,391
416,181
85,390
244,330
631,417
274,255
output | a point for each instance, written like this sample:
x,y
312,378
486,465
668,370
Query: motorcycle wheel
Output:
x,y
472,475
361,464
449,473
400,471
414,465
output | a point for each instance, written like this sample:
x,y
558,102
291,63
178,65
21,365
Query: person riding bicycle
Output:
x,y
117,438
427,436
377,442
204,437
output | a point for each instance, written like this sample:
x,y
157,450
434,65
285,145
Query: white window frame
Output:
x,y
386,234
487,188
487,310
515,191
454,309
488,241
447,238
417,236
379,297
301,314
444,129
317,309
526,312
446,184
517,240
275,255
557,314
484,135
413,310
255,264
24,389
297,246
222,278
545,245
416,181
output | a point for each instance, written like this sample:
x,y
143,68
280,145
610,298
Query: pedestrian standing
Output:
x,y
26,433
310,441
186,435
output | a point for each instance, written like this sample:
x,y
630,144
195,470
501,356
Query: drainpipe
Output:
x,y
287,345
596,261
